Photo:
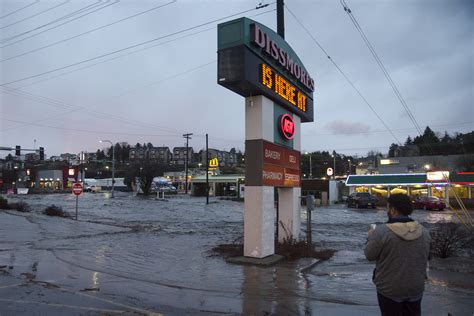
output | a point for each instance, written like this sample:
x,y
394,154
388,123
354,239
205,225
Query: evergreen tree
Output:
x,y
392,149
100,154
409,141
428,142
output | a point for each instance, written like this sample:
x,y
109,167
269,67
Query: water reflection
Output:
x,y
434,218
95,279
274,291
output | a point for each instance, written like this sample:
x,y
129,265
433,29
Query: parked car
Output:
x,y
362,199
168,188
92,188
429,203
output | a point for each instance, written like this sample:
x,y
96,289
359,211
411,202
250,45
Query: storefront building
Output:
x,y
440,184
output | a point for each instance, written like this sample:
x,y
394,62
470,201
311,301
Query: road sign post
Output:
x,y
77,190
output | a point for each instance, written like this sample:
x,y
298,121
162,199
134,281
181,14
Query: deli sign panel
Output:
x,y
281,156
254,60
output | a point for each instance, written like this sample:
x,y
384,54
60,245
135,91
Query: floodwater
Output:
x,y
130,255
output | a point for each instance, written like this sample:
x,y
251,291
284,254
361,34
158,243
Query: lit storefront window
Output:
x,y
461,191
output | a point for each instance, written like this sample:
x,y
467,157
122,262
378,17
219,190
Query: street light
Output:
x,y
349,161
334,166
113,163
310,166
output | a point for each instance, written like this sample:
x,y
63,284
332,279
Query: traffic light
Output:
x,y
41,152
17,150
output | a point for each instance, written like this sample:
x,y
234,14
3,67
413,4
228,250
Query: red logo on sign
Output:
x,y
287,126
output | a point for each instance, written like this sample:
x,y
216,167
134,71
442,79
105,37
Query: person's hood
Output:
x,y
408,231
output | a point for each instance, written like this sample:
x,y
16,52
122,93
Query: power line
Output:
x,y
96,7
126,54
18,10
397,93
20,93
385,131
381,66
88,32
107,116
123,55
91,131
97,114
344,75
34,15
128,47
107,60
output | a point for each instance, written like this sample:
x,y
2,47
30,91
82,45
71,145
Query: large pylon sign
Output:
x,y
258,64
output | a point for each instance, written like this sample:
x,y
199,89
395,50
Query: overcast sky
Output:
x,y
158,91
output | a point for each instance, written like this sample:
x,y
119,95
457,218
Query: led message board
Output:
x,y
254,60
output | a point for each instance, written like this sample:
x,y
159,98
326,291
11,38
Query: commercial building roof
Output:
x,y
408,179
223,178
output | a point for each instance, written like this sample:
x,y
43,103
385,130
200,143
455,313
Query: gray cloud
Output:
x,y
347,128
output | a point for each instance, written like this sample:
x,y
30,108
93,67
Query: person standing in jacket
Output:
x,y
400,249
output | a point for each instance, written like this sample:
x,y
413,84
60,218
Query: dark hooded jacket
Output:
x,y
401,251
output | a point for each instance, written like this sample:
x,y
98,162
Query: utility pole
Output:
x,y
280,18
207,169
187,136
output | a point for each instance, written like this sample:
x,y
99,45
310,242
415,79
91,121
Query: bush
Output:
x,y
448,239
20,207
54,210
290,248
3,203
293,249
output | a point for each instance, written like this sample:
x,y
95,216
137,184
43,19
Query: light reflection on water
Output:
x,y
434,218
95,279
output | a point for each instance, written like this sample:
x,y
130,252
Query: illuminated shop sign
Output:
x,y
437,176
271,48
270,79
254,60
389,161
213,164
287,126
280,176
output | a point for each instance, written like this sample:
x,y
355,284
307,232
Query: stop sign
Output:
x,y
77,188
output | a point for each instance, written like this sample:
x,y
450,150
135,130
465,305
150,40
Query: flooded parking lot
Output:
x,y
134,255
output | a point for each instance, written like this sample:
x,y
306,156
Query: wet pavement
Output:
x,y
130,255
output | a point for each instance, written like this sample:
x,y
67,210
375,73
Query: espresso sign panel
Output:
x,y
278,176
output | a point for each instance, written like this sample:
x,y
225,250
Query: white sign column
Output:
x,y
289,219
259,216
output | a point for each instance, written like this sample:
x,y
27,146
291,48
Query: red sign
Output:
x,y
281,156
77,188
287,126
280,176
